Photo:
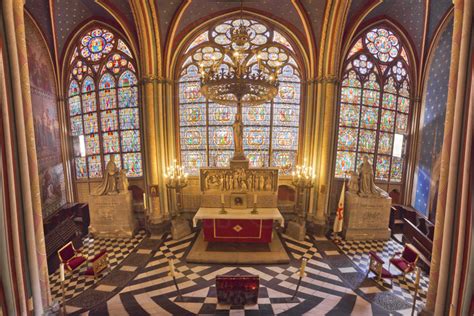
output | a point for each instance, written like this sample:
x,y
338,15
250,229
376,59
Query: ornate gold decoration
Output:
x,y
239,179
303,180
238,70
176,179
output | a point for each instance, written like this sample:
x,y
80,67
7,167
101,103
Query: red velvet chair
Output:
x,y
405,261
71,257
376,266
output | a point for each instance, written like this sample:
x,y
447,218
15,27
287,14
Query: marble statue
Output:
x,y
367,187
353,185
367,207
238,128
111,204
242,181
109,181
124,180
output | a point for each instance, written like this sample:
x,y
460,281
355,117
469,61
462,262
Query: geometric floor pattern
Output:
x,y
322,290
358,252
76,282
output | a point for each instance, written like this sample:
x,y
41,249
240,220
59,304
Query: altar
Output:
x,y
238,225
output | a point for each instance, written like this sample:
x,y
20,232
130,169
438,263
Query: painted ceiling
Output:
x,y
69,15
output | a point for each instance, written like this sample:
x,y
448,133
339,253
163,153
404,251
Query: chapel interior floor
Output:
x,y
237,253
335,283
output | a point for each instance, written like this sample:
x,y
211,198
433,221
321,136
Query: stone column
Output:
x,y
166,136
436,296
65,148
151,149
329,94
26,147
310,140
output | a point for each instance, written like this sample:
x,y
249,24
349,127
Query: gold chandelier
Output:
x,y
237,74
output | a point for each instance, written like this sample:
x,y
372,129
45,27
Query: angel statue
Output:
x,y
124,180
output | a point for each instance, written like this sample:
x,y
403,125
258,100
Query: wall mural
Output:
x,y
432,127
43,98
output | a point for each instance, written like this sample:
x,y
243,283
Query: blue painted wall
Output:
x,y
432,126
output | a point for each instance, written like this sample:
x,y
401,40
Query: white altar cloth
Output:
x,y
241,213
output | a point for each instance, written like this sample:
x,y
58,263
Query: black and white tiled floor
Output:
x,y
324,291
358,252
76,282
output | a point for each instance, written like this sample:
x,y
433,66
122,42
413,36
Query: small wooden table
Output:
x,y
238,225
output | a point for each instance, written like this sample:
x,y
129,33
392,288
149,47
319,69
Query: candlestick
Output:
x,y
254,211
144,201
222,211
303,267
61,272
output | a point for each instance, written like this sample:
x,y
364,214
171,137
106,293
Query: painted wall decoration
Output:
x,y
432,127
43,98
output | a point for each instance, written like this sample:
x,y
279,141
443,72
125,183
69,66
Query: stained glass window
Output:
x,y
271,130
374,105
103,104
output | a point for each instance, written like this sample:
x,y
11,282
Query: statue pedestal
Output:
x,y
112,215
239,162
296,230
366,218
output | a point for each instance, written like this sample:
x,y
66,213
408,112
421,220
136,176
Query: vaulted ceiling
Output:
x,y
58,19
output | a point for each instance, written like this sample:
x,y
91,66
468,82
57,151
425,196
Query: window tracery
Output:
x,y
374,106
103,105
271,130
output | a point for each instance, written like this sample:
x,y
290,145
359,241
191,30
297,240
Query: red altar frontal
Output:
x,y
238,225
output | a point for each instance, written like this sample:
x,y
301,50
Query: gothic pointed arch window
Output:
x,y
102,98
374,106
271,130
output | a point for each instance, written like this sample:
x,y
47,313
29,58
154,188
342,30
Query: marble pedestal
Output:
x,y
296,230
112,215
180,228
366,218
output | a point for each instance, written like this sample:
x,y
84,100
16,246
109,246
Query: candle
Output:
x,y
417,280
303,267
255,199
144,200
172,270
222,198
61,272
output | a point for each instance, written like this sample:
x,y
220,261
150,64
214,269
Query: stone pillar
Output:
x,y
65,148
309,137
329,88
150,122
436,296
165,135
26,148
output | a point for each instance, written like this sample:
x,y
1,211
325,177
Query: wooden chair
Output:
x,y
71,257
405,261
376,266
100,262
